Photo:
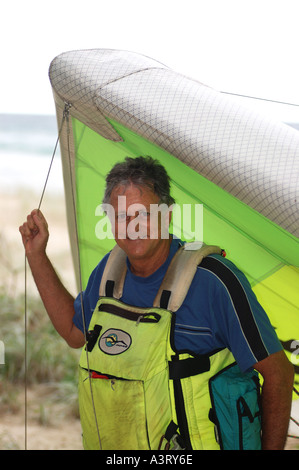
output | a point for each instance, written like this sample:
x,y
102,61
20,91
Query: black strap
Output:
x,y
165,296
173,430
109,288
180,369
241,304
92,337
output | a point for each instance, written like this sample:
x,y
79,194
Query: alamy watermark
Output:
x,y
2,353
138,221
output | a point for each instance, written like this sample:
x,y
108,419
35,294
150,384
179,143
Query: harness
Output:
x,y
147,395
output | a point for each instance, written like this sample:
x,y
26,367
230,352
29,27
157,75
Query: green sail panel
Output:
x,y
266,253
258,246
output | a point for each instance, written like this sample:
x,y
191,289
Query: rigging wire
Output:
x,y
25,352
257,98
25,292
80,276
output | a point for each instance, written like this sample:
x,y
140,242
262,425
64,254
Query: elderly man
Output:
x,y
218,324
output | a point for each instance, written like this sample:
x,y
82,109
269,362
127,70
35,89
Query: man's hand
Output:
x,y
35,233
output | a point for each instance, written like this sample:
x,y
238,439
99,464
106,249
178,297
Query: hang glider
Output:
x,y
242,167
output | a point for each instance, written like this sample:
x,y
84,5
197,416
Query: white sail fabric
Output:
x,y
252,158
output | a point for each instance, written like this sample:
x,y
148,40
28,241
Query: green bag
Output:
x,y
236,408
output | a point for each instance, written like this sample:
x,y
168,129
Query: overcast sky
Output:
x,y
245,47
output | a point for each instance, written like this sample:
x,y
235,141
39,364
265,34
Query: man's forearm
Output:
x,y
57,300
278,375
276,416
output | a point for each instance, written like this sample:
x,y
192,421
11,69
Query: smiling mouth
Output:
x,y
138,238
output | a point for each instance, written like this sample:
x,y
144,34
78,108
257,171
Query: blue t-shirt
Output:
x,y
220,309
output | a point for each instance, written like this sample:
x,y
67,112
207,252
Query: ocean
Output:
x,y
26,146
27,143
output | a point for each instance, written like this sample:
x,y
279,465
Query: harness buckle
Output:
x,y
177,442
174,443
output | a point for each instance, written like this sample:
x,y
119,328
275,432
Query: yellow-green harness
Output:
x,y
137,392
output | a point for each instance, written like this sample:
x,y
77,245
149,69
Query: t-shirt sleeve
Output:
x,y
86,301
245,326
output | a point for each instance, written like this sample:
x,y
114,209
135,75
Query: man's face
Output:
x,y
137,228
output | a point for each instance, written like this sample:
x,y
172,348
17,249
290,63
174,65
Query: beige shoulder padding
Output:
x,y
177,279
115,270
180,273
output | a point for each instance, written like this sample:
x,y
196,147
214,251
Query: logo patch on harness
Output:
x,y
114,342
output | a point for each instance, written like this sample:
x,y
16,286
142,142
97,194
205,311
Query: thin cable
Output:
x,y
257,98
294,421
26,348
25,289
294,436
53,155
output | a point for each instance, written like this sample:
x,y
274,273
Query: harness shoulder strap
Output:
x,y
180,273
177,279
114,274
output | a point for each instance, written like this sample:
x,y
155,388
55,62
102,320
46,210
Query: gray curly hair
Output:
x,y
140,171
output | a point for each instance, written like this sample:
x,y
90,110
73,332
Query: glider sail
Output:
x,y
239,166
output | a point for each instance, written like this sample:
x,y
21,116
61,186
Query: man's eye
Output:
x,y
121,216
144,214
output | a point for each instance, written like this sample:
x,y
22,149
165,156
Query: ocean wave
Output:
x,y
28,133
20,170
